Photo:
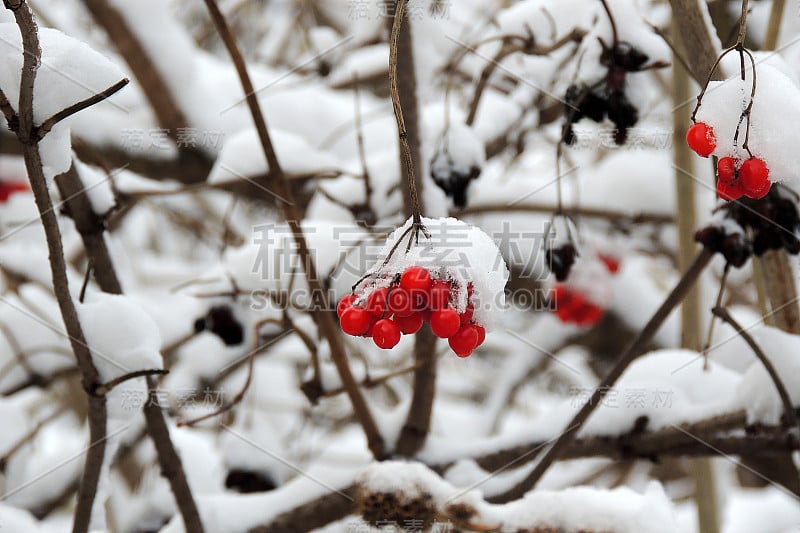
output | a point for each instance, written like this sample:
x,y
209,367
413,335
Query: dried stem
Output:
x,y
322,311
405,148
774,24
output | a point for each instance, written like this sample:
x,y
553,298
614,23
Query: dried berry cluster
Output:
x,y
751,227
413,298
607,98
735,177
221,321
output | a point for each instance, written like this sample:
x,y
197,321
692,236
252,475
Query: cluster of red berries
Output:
x,y
735,178
7,188
412,299
571,306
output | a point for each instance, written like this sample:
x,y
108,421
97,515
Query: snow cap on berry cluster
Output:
x,y
455,251
776,107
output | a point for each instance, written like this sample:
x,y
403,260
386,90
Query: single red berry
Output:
x,y
561,294
589,315
464,341
445,322
611,263
466,316
481,333
355,321
344,303
376,301
754,177
386,334
701,139
409,324
440,294
729,191
416,278
9,188
726,170
400,302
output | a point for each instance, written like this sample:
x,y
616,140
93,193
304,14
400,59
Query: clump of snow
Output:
x,y
70,72
242,156
620,510
455,250
123,338
757,393
776,106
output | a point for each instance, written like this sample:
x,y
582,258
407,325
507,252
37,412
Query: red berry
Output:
x,y
416,278
386,334
481,333
400,302
445,322
376,301
560,298
9,188
611,263
466,316
464,341
440,294
754,176
408,324
729,191
344,303
701,139
355,321
589,315
726,170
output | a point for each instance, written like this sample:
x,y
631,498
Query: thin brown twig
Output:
x,y
405,148
48,124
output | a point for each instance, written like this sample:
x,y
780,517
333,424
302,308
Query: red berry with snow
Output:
x,y
400,302
355,321
344,303
754,177
385,334
701,139
464,341
416,278
376,301
409,324
440,294
445,322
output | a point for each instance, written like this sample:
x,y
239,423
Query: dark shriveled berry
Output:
x,y
560,260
